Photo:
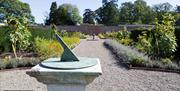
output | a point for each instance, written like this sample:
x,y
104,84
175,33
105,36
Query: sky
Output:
x,y
40,8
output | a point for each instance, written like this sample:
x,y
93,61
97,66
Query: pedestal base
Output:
x,y
68,87
66,80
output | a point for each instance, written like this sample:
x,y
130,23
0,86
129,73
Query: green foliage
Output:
x,y
163,37
15,8
136,13
137,59
178,9
144,43
166,61
40,32
126,53
161,9
126,13
52,14
108,14
177,34
8,63
5,45
89,16
101,36
123,37
18,34
177,18
71,41
143,14
161,42
48,47
65,14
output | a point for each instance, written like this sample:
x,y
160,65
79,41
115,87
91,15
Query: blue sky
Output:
x,y
40,8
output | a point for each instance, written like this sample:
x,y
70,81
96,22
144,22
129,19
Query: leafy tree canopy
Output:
x,y
89,16
65,14
108,14
138,12
178,9
14,8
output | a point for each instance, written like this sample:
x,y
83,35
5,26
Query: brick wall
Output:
x,y
90,29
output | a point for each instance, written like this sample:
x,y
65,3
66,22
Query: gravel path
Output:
x,y
114,77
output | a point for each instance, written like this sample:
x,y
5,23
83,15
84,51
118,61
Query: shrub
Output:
x,y
71,41
44,33
8,63
123,37
5,45
128,54
137,61
126,41
47,48
101,36
2,65
166,61
162,40
13,63
82,36
144,43
173,66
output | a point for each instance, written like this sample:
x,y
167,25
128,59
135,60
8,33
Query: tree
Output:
x,y
142,12
52,14
89,16
178,9
66,14
126,13
161,9
177,16
138,12
108,14
14,8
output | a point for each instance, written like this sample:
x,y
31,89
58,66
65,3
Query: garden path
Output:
x,y
114,78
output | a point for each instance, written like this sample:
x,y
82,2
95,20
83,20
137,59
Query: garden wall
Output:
x,y
90,29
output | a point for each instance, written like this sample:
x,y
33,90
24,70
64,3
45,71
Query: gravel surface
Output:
x,y
114,78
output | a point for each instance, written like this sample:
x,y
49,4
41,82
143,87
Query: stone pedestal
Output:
x,y
66,80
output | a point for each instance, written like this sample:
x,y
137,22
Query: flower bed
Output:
x,y
138,60
8,63
42,45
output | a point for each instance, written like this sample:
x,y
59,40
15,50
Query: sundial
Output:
x,y
68,59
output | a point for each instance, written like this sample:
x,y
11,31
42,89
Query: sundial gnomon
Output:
x,y
68,59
